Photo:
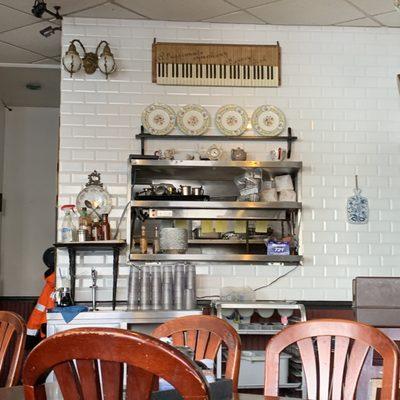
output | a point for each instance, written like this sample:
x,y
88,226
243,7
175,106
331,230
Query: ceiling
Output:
x,y
21,42
14,93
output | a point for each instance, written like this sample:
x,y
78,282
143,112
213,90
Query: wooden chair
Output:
x,y
12,345
333,375
371,371
205,334
79,356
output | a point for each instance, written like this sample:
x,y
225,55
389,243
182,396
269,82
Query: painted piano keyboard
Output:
x,y
216,65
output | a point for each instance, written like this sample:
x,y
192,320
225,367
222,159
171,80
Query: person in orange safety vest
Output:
x,y
46,298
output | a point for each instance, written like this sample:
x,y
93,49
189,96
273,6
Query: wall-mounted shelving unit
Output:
x,y
217,179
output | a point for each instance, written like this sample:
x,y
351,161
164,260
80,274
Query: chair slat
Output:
x,y
178,338
68,381
111,376
139,384
306,349
89,379
339,361
354,365
5,343
12,330
214,343
202,342
191,338
324,361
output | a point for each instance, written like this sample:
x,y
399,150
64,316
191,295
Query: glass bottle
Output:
x,y
85,223
105,227
68,229
143,240
97,232
156,241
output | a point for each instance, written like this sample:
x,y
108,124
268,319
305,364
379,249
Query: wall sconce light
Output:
x,y
105,62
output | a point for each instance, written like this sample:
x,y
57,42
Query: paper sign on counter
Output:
x,y
221,226
240,227
207,226
261,226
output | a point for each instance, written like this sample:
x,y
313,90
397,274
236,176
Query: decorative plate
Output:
x,y
231,120
268,120
193,120
158,119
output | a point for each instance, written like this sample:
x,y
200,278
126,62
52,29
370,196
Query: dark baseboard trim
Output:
x,y
18,298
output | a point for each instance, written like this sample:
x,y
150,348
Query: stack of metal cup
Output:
x,y
156,287
179,286
145,288
190,287
167,284
133,289
162,289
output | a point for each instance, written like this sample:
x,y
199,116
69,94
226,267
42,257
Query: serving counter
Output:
x,y
144,321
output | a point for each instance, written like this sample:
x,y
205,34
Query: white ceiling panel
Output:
x,y
179,10
67,6
15,94
108,10
360,22
373,7
307,12
29,38
47,61
243,4
390,19
12,54
10,19
239,17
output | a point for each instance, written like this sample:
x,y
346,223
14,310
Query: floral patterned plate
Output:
x,y
193,120
158,119
231,120
268,120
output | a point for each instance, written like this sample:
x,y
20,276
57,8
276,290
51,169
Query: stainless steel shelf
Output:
x,y
146,170
228,210
258,258
225,241
218,205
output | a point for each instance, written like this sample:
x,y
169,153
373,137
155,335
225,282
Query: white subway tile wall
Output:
x,y
340,97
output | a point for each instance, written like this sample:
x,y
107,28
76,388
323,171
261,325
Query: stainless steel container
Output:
x,y
185,190
197,191
179,286
167,288
156,288
145,291
133,289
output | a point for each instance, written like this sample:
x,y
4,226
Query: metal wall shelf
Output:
x,y
143,136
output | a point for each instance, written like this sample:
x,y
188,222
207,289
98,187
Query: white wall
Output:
x,y
29,187
2,128
340,97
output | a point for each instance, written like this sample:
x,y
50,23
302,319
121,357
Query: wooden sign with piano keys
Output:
x,y
198,64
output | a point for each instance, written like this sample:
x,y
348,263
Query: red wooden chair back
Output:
x,y
205,334
90,361
371,371
12,338
333,353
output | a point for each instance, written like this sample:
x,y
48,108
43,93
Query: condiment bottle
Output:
x,y
143,240
156,241
85,223
105,227
97,232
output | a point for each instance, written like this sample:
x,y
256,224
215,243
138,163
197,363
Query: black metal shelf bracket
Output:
x,y
143,136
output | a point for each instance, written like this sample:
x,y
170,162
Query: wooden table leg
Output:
x,y
72,271
115,276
